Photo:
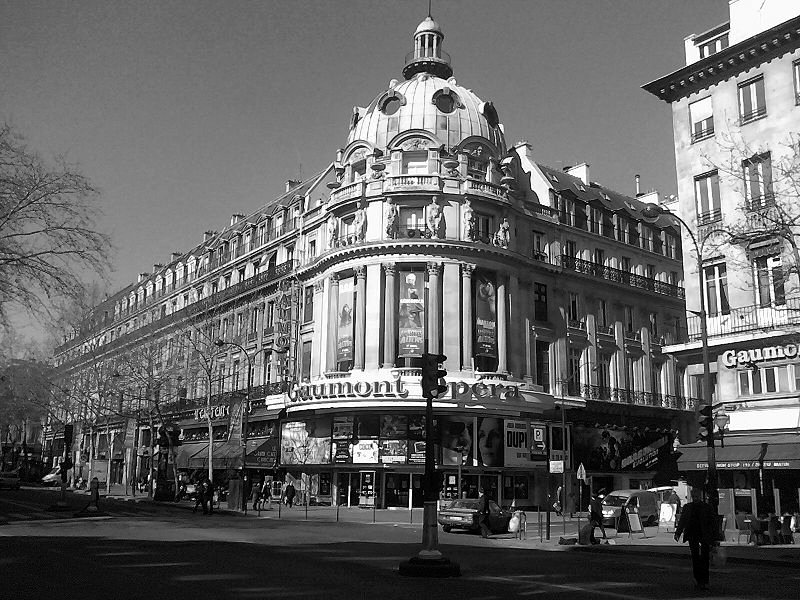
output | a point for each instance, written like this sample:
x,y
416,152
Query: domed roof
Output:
x,y
428,25
443,108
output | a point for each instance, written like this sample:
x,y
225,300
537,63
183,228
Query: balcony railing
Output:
x,y
761,202
400,181
709,216
702,134
754,114
749,318
624,396
610,274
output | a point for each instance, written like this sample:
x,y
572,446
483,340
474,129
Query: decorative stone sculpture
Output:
x,y
435,218
503,235
331,228
360,223
392,216
468,219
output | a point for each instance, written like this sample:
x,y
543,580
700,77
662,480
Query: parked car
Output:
x,y
53,477
463,514
644,501
9,479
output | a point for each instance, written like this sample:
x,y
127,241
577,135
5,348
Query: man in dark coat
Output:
x,y
209,490
290,492
697,524
483,514
200,497
596,513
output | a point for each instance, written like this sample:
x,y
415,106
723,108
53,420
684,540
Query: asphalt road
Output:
x,y
152,551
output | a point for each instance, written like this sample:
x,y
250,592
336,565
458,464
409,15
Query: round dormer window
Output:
x,y
446,103
391,106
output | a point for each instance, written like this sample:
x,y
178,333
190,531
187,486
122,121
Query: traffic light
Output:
x,y
431,374
705,421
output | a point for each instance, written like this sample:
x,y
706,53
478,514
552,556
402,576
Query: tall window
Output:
x,y
625,264
269,317
239,323
602,313
595,220
539,250
236,370
573,308
308,304
796,72
706,194
671,246
571,248
539,302
543,364
574,370
306,361
415,163
312,249
267,368
757,172
604,371
647,238
483,226
752,102
702,119
622,229
769,277
254,319
599,256
628,318
412,220
716,283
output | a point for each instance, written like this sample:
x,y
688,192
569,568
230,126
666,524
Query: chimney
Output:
x,y
142,277
636,178
175,256
290,183
236,217
580,171
207,235
156,267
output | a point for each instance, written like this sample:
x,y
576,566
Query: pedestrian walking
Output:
x,y
256,496
290,492
557,504
483,514
266,494
200,497
596,513
697,524
208,486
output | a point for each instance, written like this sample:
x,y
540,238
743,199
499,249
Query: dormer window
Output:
x,y
446,100
713,46
415,163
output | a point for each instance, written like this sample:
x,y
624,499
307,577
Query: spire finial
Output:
x,y
429,8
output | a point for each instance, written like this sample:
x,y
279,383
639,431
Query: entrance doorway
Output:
x,y
397,490
347,486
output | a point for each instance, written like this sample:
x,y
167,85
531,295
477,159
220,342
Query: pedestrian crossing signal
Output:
x,y
432,373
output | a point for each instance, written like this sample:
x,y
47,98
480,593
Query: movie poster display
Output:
x,y
394,451
411,314
490,442
456,438
416,439
342,438
365,452
485,315
611,450
344,338
306,442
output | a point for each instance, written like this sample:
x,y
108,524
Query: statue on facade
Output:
x,y
468,220
392,217
503,235
360,223
435,218
331,229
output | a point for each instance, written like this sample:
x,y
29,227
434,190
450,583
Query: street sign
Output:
x,y
582,474
556,466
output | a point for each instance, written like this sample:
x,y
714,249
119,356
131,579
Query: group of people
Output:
x,y
204,496
260,494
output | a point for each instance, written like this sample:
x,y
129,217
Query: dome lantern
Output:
x,y
428,56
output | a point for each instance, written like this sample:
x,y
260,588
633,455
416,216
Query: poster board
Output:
x,y
634,522
666,517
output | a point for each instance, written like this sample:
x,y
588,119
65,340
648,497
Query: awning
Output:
x,y
225,456
262,454
185,451
746,452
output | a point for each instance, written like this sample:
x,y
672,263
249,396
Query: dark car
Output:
x,y
9,479
463,514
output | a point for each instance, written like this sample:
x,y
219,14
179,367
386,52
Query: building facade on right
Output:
x,y
736,118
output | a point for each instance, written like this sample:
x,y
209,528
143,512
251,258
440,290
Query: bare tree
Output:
x,y
48,229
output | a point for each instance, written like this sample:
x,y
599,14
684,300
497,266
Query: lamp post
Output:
x,y
652,211
245,407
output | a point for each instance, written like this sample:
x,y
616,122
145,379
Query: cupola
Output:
x,y
428,56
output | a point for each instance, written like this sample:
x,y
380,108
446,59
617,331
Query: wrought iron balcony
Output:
x,y
610,274
748,318
632,397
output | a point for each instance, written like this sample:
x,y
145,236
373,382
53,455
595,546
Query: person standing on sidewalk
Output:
x,y
697,526
596,513
483,514
557,504
290,492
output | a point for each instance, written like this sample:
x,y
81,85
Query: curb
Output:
x,y
792,564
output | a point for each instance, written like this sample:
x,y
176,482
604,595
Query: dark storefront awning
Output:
x,y
745,452
262,454
226,456
185,451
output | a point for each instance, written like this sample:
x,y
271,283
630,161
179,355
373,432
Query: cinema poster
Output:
x,y
485,315
344,338
411,314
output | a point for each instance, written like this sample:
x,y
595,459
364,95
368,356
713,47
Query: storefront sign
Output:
x,y
734,358
265,456
458,390
411,315
344,338
518,447
220,411
485,316
645,456
283,317
365,452
751,464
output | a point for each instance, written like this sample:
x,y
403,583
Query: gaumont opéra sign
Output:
x,y
734,358
327,390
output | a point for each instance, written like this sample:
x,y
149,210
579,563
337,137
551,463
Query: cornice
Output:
x,y
727,63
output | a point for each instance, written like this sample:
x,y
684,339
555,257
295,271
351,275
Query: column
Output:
x,y
591,352
618,361
451,317
434,308
372,340
361,308
317,353
515,340
647,361
467,321
389,315
502,323
333,311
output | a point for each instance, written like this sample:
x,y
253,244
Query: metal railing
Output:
x,y
702,134
616,275
633,397
748,318
754,114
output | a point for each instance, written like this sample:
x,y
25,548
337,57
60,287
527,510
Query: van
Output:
x,y
644,502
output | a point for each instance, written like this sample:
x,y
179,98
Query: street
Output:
x,y
164,551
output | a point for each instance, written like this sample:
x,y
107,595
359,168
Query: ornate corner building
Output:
x,y
736,111
543,289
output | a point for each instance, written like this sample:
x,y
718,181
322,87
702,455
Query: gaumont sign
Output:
x,y
328,390
736,358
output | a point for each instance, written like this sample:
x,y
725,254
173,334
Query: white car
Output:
x,y
53,477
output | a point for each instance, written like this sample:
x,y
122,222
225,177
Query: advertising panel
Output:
x,y
490,442
393,426
411,315
306,442
456,438
394,451
342,451
342,428
365,452
612,450
518,443
344,339
485,316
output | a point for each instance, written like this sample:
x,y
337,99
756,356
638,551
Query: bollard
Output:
x,y
539,517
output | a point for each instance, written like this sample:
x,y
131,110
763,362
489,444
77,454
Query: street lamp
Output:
x,y
245,407
652,211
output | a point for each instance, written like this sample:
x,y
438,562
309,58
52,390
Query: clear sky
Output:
x,y
184,112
